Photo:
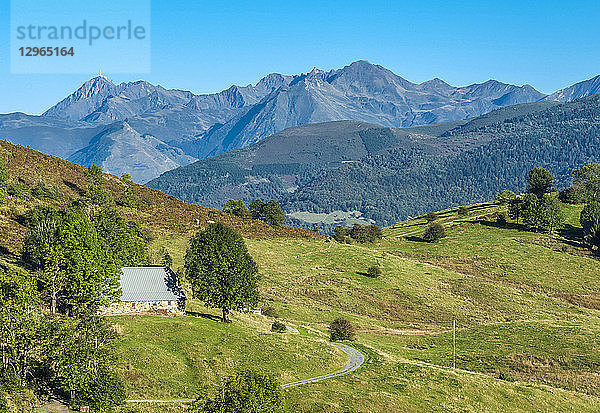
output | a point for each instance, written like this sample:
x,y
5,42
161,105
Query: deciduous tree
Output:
x,y
220,269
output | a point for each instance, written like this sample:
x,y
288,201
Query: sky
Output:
x,y
206,46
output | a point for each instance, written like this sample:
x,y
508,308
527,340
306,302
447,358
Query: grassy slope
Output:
x,y
169,357
158,212
526,305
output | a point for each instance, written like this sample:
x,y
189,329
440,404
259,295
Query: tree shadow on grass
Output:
x,y
415,239
507,225
203,315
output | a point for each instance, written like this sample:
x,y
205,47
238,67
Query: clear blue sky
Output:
x,y
206,46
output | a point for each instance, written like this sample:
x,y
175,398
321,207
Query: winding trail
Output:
x,y
355,360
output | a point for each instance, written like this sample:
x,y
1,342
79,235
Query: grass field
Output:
x,y
169,357
526,306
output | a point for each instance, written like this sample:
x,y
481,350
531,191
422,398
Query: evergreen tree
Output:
x,y
539,181
220,269
256,209
237,208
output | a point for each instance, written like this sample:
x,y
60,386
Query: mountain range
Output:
x,y
347,171
146,130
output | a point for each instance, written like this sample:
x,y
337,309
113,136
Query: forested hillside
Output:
x,y
389,174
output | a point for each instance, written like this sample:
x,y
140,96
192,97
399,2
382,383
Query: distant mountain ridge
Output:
x,y
370,172
206,125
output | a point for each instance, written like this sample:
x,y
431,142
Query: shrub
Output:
x,y
341,329
505,197
103,391
462,211
374,271
245,392
434,232
571,195
278,327
365,233
270,311
340,233
430,217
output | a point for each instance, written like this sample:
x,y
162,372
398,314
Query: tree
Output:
x,y
220,269
505,197
531,211
341,329
78,257
41,251
571,195
434,232
21,328
542,214
365,233
515,207
96,193
587,181
237,208
82,361
167,260
590,221
256,208
272,214
129,196
539,181
554,217
248,391
278,327
340,233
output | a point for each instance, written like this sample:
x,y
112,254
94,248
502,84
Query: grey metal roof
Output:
x,y
150,283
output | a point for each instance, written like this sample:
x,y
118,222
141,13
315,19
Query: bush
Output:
x,y
341,329
462,211
103,391
245,392
278,327
571,195
505,197
430,217
340,233
365,233
374,271
434,232
270,311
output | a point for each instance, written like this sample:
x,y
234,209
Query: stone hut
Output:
x,y
149,289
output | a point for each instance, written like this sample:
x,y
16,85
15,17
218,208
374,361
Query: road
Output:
x,y
355,360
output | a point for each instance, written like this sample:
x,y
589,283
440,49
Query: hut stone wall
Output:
x,y
175,307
